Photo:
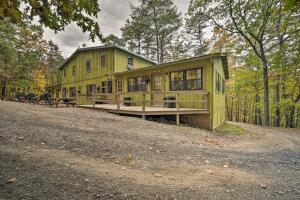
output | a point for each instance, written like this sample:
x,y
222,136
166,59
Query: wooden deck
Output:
x,y
149,110
113,103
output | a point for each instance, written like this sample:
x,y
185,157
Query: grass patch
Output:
x,y
230,129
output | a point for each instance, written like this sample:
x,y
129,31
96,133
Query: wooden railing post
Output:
x,y
143,102
94,100
177,101
177,108
207,101
143,105
77,99
118,101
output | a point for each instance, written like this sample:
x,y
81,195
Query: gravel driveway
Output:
x,y
72,153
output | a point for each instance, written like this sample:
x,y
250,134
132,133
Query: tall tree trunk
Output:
x,y
245,110
290,123
3,89
161,51
258,119
277,109
266,90
157,49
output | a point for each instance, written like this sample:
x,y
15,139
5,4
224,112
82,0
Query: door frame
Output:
x,y
152,87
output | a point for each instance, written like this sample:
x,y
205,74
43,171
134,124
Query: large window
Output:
x,y
186,80
90,89
106,86
88,66
72,91
177,80
194,79
136,84
102,60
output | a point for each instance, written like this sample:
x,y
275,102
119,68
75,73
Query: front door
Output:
x,y
157,88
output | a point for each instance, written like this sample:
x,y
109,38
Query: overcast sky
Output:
x,y
112,17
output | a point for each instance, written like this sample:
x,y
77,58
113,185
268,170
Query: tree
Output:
x,y
250,21
7,58
152,22
114,40
56,14
195,24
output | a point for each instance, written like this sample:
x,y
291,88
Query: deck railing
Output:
x,y
183,99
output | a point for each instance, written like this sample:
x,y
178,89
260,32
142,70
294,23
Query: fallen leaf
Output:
x,y
12,180
263,185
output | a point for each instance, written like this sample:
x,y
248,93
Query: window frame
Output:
x,y
130,65
136,86
89,92
88,66
73,70
105,89
72,89
223,86
184,85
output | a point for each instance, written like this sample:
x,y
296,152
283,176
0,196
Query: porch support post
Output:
x,y
118,101
94,100
177,119
143,102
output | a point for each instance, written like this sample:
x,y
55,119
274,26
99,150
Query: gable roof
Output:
x,y
104,47
223,56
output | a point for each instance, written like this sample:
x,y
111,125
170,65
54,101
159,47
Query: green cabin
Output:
x,y
113,79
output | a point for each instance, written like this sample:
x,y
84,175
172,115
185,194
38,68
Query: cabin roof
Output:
x,y
202,57
105,47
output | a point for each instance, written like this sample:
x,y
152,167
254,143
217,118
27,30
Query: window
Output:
x,y
64,92
130,63
218,82
186,80
73,70
223,86
106,86
119,86
136,84
194,79
90,89
176,81
72,91
88,66
102,59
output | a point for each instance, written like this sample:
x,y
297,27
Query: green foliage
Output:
x,y
25,57
55,14
114,40
151,28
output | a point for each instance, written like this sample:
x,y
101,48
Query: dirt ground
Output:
x,y
72,153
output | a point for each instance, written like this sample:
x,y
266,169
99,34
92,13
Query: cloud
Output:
x,y
112,17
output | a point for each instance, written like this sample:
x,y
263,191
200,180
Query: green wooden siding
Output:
x,y
115,68
219,100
